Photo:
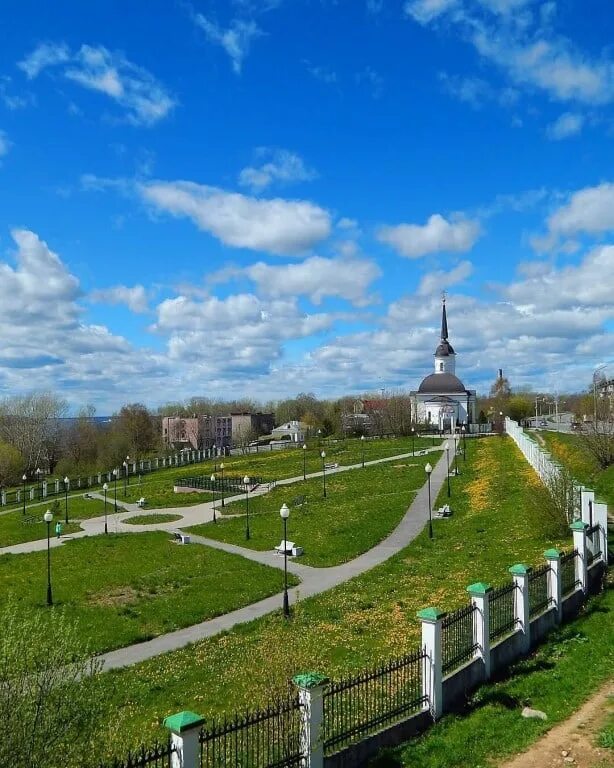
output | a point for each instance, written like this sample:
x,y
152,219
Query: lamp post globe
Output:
x,y
362,445
246,482
40,486
115,474
464,432
284,513
448,465
428,469
222,473
212,478
24,478
323,456
413,441
304,461
105,488
48,517
66,482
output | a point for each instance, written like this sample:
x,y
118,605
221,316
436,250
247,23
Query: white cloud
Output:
x,y
321,72
5,144
236,40
438,234
144,100
434,283
317,278
274,225
566,125
589,210
282,166
134,298
425,11
10,99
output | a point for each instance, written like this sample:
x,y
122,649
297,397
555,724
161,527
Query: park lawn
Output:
x,y
355,625
126,588
362,507
152,519
13,529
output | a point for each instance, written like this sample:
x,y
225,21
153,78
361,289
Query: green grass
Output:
x,y
574,662
358,624
361,508
159,517
126,588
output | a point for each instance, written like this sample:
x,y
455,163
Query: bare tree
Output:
x,y
558,500
30,423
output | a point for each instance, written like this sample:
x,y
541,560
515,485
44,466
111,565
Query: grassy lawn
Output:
x,y
130,587
557,679
156,517
362,507
357,624
13,529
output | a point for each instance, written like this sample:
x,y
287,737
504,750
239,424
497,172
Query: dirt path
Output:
x,y
572,742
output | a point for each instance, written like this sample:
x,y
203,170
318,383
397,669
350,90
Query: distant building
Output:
x,y
197,432
367,417
247,427
294,431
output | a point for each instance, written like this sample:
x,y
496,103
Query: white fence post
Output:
x,y
600,518
184,728
311,688
553,556
480,598
432,681
520,575
579,543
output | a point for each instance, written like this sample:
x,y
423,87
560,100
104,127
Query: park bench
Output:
x,y
141,502
444,511
298,501
288,548
87,496
331,465
181,538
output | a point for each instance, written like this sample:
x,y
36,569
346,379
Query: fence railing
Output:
x,y
458,638
503,616
569,577
265,738
158,756
360,705
593,543
539,592
228,483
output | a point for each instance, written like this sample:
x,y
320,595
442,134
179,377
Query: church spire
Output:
x,y
444,318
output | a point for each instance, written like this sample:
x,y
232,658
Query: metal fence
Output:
x,y
539,592
158,756
569,579
502,604
265,738
361,705
227,483
593,544
458,637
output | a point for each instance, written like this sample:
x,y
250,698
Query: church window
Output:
x,y
441,366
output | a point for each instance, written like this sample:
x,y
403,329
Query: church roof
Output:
x,y
441,383
445,348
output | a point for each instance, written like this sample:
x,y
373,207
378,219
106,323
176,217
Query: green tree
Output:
x,y
11,465
519,407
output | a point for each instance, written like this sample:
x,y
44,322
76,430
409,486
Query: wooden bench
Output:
x,y
444,511
181,538
331,465
141,502
298,501
288,548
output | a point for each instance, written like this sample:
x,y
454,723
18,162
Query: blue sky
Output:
x,y
258,198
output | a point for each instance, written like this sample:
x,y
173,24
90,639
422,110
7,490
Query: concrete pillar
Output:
x,y
311,689
600,518
480,598
520,575
553,556
57,486
579,543
18,496
31,494
3,498
184,728
432,680
99,478
157,462
44,487
78,482
587,499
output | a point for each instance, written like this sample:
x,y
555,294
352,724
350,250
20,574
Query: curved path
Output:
x,y
313,580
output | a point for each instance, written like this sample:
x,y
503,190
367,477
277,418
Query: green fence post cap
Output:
x,y
579,526
552,554
479,588
310,680
431,614
183,721
520,569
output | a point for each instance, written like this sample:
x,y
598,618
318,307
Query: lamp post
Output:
x,y
128,469
413,441
304,462
464,431
246,484
66,481
428,469
319,436
222,473
214,458
40,485
48,517
284,513
105,488
323,456
125,478
115,474
24,478
448,465
362,445
213,486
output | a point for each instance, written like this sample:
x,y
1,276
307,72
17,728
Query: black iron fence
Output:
x,y
569,578
264,738
593,544
361,705
502,605
539,591
227,483
458,638
158,756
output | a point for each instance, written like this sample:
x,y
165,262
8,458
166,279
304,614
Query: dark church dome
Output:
x,y
441,384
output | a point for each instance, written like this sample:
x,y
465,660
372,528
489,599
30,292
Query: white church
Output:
x,y
441,400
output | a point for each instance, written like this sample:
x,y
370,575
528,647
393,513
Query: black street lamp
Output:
x,y
246,484
115,474
319,436
48,517
126,476
323,456
448,465
222,473
40,485
304,462
362,445
24,478
66,482
428,469
214,458
105,488
213,486
285,514
413,441
464,431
